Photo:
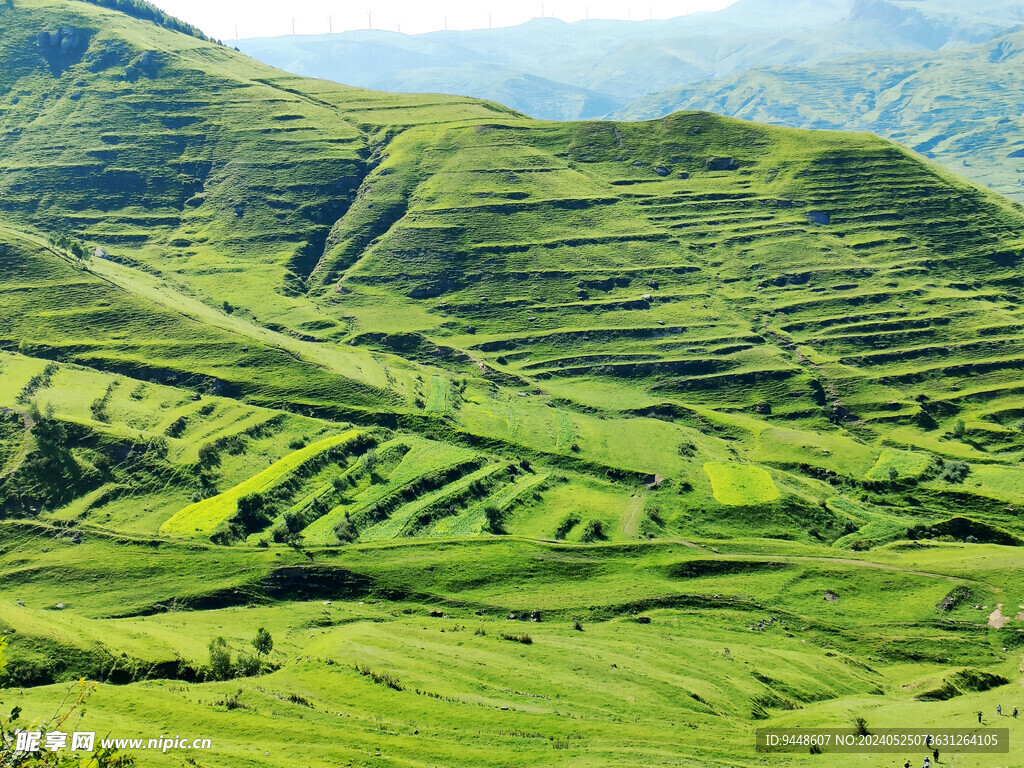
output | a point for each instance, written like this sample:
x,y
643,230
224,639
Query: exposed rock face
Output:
x,y
722,164
63,47
819,217
147,64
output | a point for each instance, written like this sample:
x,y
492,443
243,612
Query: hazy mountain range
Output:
x,y
886,66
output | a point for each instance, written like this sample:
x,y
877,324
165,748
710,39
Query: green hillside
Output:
x,y
957,105
722,420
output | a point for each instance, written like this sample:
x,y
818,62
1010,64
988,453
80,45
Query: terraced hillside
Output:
x,y
281,353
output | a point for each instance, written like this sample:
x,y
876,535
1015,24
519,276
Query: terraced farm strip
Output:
x,y
204,517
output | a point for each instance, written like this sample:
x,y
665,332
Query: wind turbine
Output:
x,y
330,25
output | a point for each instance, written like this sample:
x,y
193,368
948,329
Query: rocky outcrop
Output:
x,y
63,47
722,164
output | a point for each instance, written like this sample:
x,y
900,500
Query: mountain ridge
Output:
x,y
905,97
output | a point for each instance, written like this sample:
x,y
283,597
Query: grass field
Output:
x,y
739,485
388,374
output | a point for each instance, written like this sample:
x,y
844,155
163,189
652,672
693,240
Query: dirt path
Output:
x,y
631,521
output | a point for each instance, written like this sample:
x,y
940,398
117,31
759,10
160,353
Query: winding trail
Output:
x,y
631,522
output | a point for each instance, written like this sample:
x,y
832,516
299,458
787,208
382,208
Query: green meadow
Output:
x,y
529,443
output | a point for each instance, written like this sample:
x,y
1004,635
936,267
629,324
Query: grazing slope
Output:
x,y
413,355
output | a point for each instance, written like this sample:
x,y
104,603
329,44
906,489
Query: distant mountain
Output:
x,y
553,70
584,69
961,106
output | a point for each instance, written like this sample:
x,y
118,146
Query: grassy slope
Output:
x,y
733,636
554,331
206,515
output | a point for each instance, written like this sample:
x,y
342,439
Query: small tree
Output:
x,y
345,530
263,642
956,471
220,659
370,462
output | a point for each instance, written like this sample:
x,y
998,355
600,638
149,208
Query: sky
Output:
x,y
265,18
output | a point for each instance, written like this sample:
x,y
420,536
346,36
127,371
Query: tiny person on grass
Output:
x,y
999,709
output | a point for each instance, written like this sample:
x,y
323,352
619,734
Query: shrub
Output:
x,y
220,659
247,665
234,701
302,701
381,678
860,726
293,522
494,519
345,531
955,598
176,427
568,523
524,638
956,471
593,531
252,511
370,462
37,382
99,406
140,9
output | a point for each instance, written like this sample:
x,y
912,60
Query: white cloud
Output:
x,y
262,18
